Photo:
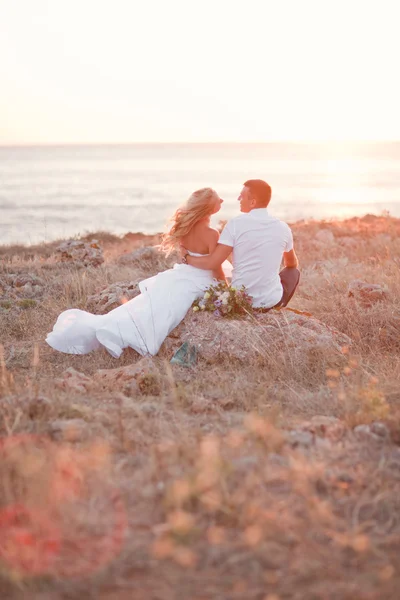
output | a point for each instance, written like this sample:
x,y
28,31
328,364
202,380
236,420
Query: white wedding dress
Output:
x,y
143,323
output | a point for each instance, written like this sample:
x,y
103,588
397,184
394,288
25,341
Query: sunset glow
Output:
x,y
133,71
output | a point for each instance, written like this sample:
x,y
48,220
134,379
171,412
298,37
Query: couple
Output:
x,y
258,242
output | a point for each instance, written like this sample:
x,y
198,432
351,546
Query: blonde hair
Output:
x,y
198,206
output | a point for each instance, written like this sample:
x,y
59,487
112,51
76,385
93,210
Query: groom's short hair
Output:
x,y
260,190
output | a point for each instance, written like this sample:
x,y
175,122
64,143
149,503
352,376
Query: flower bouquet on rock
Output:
x,y
225,301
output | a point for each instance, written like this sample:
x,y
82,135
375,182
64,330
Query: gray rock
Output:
x,y
24,279
150,258
38,407
366,293
112,296
72,380
81,253
275,334
141,377
325,427
298,438
380,429
69,430
364,432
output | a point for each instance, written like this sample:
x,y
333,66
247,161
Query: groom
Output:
x,y
259,241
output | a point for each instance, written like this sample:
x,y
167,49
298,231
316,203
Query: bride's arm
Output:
x,y
218,272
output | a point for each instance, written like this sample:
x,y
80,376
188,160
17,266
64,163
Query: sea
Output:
x,y
54,192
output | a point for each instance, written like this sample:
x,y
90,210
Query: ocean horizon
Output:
x,y
57,191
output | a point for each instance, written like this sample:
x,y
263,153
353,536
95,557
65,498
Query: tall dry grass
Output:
x,y
191,488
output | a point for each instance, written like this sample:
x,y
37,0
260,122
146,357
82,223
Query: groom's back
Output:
x,y
258,241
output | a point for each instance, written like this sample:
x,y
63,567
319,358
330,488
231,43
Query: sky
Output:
x,y
121,71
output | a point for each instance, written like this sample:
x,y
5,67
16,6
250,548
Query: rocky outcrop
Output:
x,y
139,378
149,258
82,254
72,380
366,293
20,290
273,336
112,296
324,426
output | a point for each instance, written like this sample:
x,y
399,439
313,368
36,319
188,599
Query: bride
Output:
x,y
144,322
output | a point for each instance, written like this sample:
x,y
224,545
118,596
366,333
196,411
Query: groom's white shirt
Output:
x,y
258,241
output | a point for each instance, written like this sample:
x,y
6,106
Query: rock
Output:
x,y
81,253
275,335
325,427
24,279
376,432
141,377
72,380
147,253
199,405
380,430
16,286
362,431
71,430
298,438
322,443
112,296
366,293
150,258
325,236
39,407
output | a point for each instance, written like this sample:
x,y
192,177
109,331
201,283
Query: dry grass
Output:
x,y
190,488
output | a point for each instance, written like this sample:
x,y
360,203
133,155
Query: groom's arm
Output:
x,y
290,260
213,261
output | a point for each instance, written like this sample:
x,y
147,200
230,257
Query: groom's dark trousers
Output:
x,y
290,277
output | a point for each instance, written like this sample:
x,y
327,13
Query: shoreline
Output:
x,y
369,222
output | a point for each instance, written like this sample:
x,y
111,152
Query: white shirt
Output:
x,y
258,241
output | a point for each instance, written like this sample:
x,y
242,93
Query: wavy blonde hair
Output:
x,y
198,206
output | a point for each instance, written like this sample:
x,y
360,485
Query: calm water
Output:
x,y
61,191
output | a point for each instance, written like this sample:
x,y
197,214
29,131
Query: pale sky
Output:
x,y
92,71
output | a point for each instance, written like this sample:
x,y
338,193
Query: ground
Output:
x,y
227,480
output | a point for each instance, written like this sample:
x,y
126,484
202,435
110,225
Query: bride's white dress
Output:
x,y
143,323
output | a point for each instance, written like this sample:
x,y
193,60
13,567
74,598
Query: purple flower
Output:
x,y
218,303
216,313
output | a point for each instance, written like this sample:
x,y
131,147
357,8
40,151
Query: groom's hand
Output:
x,y
183,252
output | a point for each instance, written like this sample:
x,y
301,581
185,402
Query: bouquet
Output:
x,y
224,301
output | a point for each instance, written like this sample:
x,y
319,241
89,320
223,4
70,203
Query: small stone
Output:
x,y
380,429
73,380
71,430
364,432
323,443
24,279
366,293
142,376
297,438
38,407
325,426
201,405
